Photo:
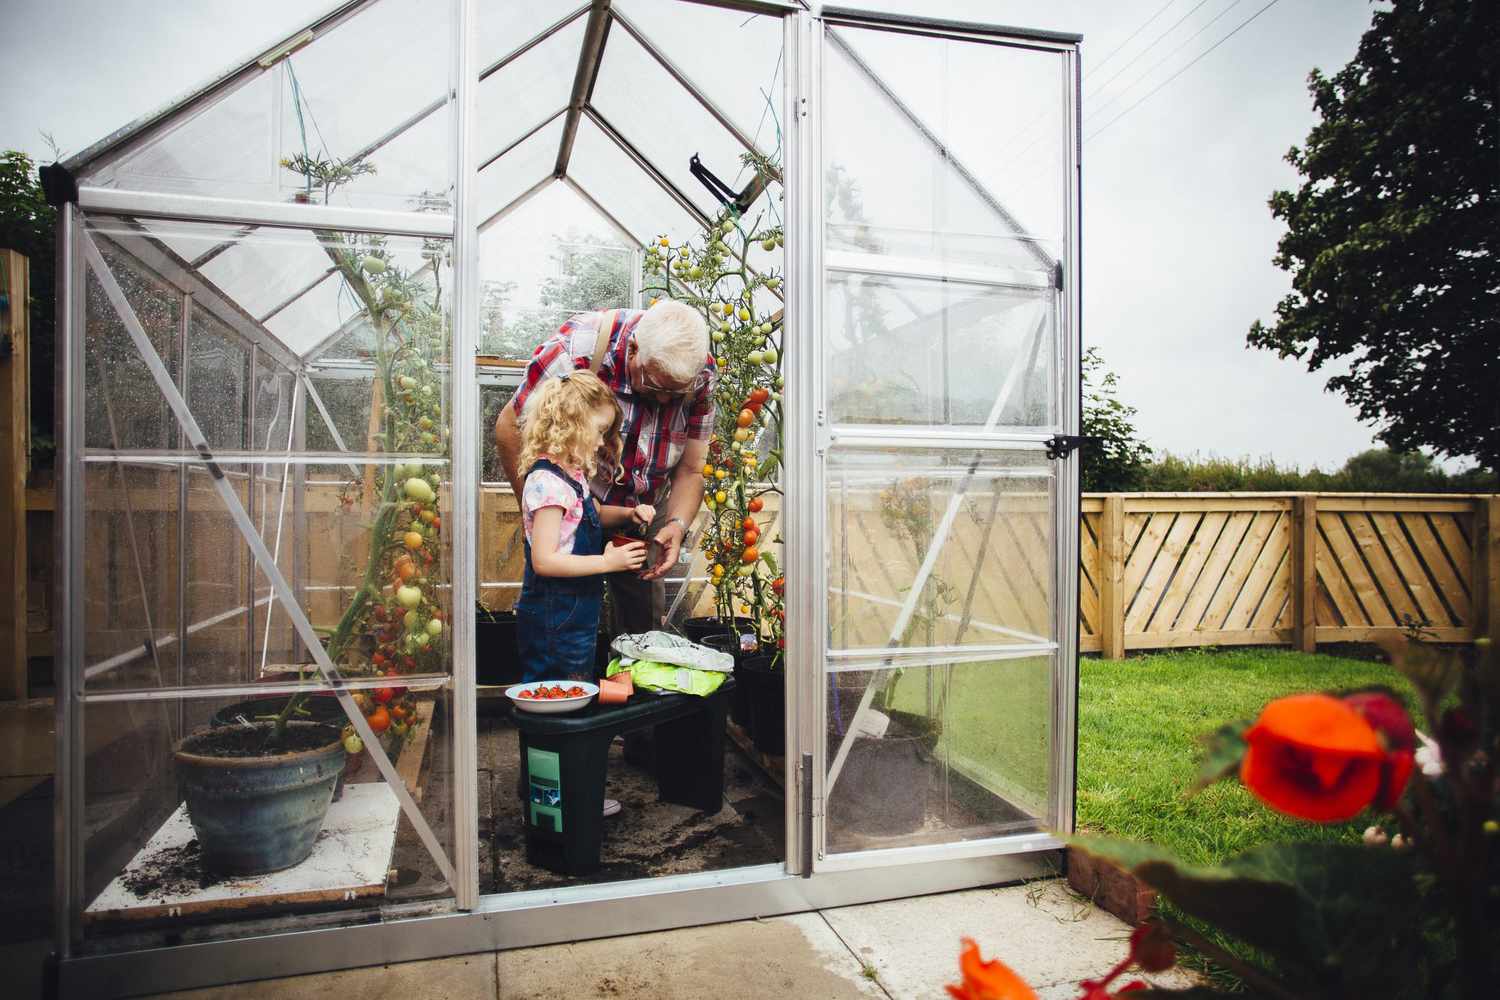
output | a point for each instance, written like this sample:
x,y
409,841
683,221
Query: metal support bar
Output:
x,y
531,43
298,294
265,561
136,652
595,33
515,202
650,168
286,468
333,431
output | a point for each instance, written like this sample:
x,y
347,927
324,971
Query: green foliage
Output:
x,y
1391,239
1115,462
26,226
1378,470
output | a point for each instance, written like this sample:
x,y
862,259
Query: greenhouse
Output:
x,y
295,302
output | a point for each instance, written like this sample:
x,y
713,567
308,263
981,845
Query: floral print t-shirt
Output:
x,y
545,488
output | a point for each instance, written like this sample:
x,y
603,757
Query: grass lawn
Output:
x,y
1139,721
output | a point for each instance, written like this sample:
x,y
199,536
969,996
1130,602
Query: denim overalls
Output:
x,y
557,617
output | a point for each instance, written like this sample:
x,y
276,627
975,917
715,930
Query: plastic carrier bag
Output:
x,y
660,661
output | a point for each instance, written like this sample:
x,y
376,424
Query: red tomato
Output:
x,y
748,523
380,720
751,536
755,505
759,394
779,585
749,555
383,695
745,419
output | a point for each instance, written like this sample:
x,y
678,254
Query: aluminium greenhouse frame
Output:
x,y
810,877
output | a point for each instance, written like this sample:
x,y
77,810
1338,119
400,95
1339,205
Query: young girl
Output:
x,y
572,425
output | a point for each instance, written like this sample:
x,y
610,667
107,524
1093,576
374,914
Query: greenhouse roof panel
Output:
x,y
527,90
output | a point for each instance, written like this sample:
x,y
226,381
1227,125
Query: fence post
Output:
x,y
1486,566
1112,578
1305,571
15,434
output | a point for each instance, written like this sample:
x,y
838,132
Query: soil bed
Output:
x,y
234,741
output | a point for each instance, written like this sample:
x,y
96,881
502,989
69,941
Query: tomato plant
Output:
x,y
721,273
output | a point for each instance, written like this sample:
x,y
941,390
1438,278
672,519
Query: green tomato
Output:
x,y
742,434
744,315
771,355
406,382
746,570
768,244
419,489
411,620
353,744
423,640
434,628
695,271
728,226
718,336
408,597
755,357
373,265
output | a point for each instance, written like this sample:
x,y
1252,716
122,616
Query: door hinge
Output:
x,y
1063,445
1057,275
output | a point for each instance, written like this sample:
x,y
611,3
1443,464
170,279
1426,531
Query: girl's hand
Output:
x,y
644,514
620,558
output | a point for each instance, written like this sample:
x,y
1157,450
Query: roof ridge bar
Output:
x,y
687,84
1032,243
589,56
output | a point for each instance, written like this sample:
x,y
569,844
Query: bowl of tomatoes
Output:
x,y
552,696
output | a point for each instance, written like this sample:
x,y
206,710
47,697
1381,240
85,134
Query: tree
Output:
x,y
590,275
1116,460
26,224
1393,239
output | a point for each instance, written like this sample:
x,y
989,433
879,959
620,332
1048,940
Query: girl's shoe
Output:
x,y
611,807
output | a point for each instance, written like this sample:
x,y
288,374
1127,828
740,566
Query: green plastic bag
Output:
x,y
653,676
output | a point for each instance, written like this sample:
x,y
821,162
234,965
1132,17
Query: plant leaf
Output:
x,y
770,561
1326,907
1224,748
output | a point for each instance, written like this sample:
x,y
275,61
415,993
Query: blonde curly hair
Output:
x,y
558,423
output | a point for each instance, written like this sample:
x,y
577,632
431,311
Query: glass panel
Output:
x,y
612,179
981,522
172,599
660,119
750,95
942,753
971,354
122,409
509,177
526,91
505,26
334,103
550,258
895,186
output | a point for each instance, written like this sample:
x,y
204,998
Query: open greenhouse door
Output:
x,y
941,605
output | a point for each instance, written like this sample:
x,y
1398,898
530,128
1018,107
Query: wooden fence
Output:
x,y
1157,571
1163,570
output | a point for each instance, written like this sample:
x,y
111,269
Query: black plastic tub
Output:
x,y
698,629
496,660
739,696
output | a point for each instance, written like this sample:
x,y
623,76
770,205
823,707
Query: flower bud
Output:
x,y
1151,947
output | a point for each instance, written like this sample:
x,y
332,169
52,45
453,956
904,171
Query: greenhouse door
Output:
x,y
942,602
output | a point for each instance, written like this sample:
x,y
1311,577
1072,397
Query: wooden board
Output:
x,y
350,861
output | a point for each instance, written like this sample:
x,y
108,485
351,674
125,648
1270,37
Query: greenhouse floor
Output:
x,y
646,839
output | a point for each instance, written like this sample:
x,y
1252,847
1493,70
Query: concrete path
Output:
x,y
880,951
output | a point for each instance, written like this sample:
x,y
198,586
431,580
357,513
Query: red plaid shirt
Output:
x,y
654,434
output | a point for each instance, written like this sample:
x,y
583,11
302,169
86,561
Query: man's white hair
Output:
x,y
672,338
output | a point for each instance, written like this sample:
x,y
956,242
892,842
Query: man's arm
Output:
x,y
683,502
508,444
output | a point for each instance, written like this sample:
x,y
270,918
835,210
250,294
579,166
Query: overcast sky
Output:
x,y
1177,236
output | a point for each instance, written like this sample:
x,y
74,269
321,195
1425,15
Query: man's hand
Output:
x,y
670,540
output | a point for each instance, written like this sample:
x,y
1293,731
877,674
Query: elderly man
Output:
x,y
657,362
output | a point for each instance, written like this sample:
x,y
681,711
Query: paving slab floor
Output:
x,y
878,951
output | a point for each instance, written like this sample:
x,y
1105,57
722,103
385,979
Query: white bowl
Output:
x,y
546,706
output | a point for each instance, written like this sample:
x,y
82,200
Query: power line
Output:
x,y
1155,42
1094,113
1184,69
1139,28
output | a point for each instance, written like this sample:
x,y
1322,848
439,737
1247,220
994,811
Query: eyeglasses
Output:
x,y
693,388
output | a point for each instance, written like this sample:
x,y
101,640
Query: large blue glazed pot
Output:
x,y
259,814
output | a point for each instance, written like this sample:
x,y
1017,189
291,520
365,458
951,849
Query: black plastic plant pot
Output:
x,y
767,702
698,629
255,812
496,660
739,695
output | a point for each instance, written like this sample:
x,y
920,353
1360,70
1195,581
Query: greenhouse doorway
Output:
x,y
280,375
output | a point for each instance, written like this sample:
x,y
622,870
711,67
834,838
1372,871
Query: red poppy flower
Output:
x,y
992,980
1313,757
